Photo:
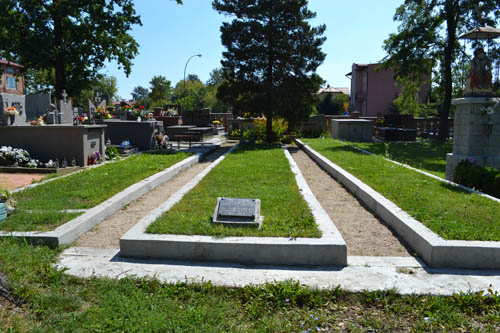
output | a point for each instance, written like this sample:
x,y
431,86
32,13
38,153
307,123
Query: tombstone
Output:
x,y
91,107
17,101
65,109
37,105
238,212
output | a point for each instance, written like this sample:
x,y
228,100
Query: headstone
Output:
x,y
37,105
238,212
91,107
65,109
17,101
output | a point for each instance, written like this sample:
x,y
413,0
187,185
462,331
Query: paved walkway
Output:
x,y
11,181
404,274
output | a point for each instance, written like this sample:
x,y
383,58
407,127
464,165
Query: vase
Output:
x,y
12,118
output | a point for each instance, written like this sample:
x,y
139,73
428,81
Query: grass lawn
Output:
x,y
56,302
428,155
250,171
82,190
452,213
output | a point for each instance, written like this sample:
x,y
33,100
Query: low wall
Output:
x,y
139,133
53,142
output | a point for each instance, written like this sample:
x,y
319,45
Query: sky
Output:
x,y
170,34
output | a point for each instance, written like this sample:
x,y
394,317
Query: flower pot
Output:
x,y
12,118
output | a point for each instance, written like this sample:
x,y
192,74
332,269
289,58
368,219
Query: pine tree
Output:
x,y
271,58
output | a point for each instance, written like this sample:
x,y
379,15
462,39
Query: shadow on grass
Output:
x,y
219,264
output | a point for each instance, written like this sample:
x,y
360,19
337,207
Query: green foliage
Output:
x,y
39,81
271,55
160,91
331,104
258,133
112,154
427,37
484,179
106,86
408,101
190,95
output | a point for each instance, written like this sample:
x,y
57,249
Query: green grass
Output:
x,y
428,155
452,213
82,190
56,302
261,172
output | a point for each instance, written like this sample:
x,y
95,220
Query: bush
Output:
x,y
112,153
483,179
279,126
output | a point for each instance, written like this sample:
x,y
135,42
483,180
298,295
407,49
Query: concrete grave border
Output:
x,y
433,249
70,231
330,249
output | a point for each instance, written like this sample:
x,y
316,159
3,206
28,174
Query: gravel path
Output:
x,y
11,181
363,233
107,234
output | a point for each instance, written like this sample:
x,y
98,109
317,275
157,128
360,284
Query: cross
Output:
x,y
64,95
97,98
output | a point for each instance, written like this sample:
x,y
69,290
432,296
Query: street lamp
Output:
x,y
196,55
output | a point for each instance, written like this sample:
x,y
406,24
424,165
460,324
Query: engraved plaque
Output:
x,y
237,207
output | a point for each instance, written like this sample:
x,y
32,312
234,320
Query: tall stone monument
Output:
x,y
476,135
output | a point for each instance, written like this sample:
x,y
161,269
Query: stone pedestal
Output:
x,y
352,129
476,133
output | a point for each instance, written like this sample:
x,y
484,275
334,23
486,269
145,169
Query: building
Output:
x,y
12,80
334,91
373,91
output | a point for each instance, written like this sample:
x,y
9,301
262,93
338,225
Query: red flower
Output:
x,y
142,107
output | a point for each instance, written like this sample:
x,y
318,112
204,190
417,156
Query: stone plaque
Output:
x,y
237,207
238,212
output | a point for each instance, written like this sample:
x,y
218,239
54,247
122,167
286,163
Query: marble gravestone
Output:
x,y
65,109
238,212
91,108
17,101
37,105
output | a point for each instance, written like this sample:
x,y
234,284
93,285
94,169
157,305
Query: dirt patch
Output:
x,y
108,233
363,233
11,181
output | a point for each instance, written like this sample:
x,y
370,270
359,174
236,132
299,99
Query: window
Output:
x,y
11,83
10,70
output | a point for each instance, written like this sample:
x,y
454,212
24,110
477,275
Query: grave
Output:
x,y
237,212
398,127
352,129
37,105
17,101
140,134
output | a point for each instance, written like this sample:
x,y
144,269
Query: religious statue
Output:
x,y
479,77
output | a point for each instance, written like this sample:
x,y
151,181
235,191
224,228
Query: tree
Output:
x,y
104,85
332,105
39,81
193,77
272,54
193,97
140,92
73,37
160,91
428,36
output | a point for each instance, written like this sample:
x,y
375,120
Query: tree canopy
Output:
x,y
73,37
271,57
427,37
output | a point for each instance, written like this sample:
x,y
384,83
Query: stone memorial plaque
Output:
x,y
237,207
238,212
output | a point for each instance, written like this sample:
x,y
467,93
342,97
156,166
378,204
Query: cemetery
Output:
x,y
374,208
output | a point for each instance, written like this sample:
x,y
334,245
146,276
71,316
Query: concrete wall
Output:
x,y
139,133
352,129
56,141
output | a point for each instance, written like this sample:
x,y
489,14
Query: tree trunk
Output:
x,y
59,55
451,27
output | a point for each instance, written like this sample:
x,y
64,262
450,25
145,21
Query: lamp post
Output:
x,y
196,55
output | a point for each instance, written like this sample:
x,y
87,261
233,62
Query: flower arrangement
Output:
x,y
101,113
6,198
11,111
19,157
216,122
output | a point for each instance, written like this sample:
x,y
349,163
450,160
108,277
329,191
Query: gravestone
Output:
x,y
91,107
238,212
17,101
37,105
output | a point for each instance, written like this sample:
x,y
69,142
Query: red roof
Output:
x,y
333,90
10,63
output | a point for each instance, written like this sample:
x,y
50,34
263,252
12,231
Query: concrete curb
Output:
x,y
434,250
330,249
70,231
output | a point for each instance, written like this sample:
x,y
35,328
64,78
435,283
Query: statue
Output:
x,y
479,77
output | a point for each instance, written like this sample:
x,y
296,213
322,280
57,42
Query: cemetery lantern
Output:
x,y
479,79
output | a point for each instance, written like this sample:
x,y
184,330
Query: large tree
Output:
x,y
75,37
160,91
271,58
428,37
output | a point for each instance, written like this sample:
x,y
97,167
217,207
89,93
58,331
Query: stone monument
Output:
x,y
477,116
12,100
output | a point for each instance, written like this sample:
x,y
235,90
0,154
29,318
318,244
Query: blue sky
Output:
x,y
171,33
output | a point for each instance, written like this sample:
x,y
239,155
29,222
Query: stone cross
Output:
x,y
64,95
